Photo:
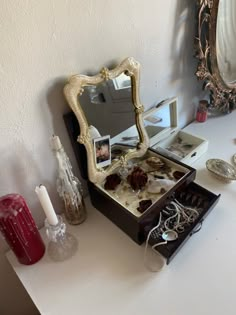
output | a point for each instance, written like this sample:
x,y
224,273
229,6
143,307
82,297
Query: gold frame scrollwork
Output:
x,y
222,95
74,88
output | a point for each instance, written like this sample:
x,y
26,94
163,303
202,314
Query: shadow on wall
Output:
x,y
16,298
25,171
23,176
58,107
184,63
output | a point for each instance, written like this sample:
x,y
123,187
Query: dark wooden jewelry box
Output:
x,y
136,186
138,227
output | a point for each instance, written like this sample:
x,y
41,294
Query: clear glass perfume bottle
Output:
x,y
68,186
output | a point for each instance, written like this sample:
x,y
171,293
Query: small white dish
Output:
x,y
222,169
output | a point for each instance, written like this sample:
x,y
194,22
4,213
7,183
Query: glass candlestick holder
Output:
x,y
62,245
68,186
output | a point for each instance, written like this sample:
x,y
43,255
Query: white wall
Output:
x,y
42,43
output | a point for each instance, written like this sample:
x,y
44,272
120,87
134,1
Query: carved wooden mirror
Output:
x,y
215,45
95,100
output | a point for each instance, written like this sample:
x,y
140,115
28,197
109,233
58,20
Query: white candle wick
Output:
x,y
46,204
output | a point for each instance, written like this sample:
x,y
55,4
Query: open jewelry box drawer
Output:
x,y
194,196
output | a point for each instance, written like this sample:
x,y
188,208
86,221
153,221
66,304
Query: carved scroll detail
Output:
x,y
222,96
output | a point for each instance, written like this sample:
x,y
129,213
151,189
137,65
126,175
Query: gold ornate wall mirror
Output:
x,y
96,102
215,43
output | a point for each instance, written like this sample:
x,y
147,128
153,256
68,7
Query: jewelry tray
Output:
x,y
132,224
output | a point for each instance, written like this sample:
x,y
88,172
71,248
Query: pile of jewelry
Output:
x,y
176,218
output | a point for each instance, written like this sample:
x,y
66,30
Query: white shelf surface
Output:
x,y
107,275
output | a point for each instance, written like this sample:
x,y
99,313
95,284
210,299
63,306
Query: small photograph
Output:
x,y
102,149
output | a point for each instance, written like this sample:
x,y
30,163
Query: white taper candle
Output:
x,y
46,204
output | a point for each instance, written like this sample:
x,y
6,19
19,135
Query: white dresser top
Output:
x,y
107,275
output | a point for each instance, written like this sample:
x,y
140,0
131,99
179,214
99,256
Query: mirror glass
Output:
x,y
157,120
226,40
108,105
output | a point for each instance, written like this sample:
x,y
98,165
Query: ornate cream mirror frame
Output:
x,y
222,94
75,87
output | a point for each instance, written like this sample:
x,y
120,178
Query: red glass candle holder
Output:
x,y
202,111
19,229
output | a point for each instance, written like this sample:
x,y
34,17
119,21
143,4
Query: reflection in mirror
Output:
x,y
108,105
215,46
158,121
226,40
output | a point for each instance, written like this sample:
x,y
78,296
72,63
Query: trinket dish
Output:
x,y
222,169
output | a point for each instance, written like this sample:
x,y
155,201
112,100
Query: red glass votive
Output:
x,y
202,111
19,229
201,116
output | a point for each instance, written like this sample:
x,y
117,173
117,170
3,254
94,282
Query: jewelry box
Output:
x,y
140,183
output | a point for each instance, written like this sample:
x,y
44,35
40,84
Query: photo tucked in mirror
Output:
x,y
102,151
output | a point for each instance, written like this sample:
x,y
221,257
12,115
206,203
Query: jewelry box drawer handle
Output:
x,y
197,228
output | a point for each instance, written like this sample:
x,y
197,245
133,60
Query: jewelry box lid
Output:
x,y
161,121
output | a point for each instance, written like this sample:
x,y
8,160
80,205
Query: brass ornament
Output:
x,y
105,74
